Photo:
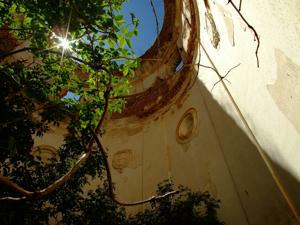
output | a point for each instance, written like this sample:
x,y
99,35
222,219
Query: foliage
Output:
x,y
98,208
98,36
98,65
185,208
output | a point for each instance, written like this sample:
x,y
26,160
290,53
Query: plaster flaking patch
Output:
x,y
286,89
124,159
228,21
212,30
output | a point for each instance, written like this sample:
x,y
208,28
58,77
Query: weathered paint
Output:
x,y
286,89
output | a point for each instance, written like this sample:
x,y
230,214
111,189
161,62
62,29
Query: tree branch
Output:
x,y
222,77
37,50
155,15
30,194
256,37
106,99
110,183
206,4
25,194
15,187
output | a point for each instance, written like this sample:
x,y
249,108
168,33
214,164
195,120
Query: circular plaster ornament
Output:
x,y
123,159
187,126
45,153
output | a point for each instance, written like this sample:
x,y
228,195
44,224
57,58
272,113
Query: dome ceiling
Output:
x,y
161,80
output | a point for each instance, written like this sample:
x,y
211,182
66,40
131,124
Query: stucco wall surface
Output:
x,y
234,122
265,98
238,138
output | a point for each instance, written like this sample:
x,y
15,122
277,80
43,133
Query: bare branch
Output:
x,y
157,24
256,37
206,4
67,176
213,69
30,194
37,50
126,96
223,77
15,187
155,15
196,75
12,198
110,183
208,67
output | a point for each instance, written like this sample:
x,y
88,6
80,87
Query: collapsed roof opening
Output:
x,y
151,17
162,80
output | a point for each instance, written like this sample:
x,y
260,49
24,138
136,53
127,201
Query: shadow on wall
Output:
x,y
219,158
259,197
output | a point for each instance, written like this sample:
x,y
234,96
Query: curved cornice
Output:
x,y
157,84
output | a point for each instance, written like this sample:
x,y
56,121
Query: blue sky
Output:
x,y
147,29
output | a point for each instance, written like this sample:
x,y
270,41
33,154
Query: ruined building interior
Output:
x,y
213,113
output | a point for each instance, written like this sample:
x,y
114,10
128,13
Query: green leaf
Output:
x,y
121,41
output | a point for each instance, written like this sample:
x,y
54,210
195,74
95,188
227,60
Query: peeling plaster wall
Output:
x,y
268,96
221,156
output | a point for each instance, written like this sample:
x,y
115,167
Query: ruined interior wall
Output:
x,y
268,96
197,138
217,153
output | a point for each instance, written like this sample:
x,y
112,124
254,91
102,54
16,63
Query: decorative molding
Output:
x,y
123,159
187,126
45,153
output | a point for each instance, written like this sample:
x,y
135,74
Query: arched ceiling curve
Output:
x,y
158,83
